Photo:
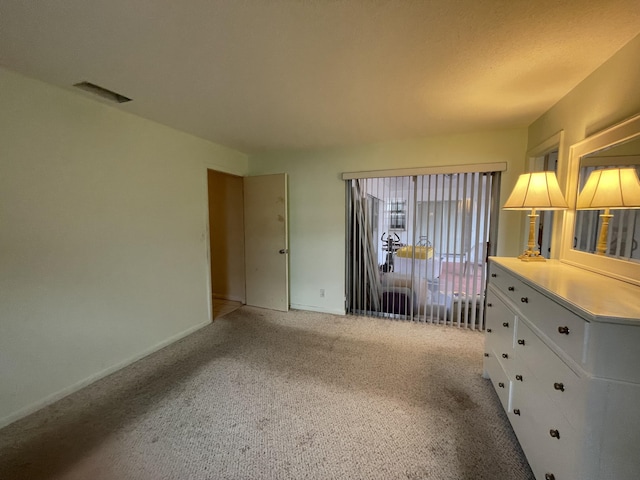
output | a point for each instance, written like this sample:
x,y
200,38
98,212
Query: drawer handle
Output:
x,y
563,330
505,324
549,476
524,300
486,354
489,305
504,355
516,411
520,341
554,433
489,330
501,385
511,289
519,378
559,386
494,275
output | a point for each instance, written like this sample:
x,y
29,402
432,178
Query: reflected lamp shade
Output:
x,y
606,189
538,190
610,188
535,191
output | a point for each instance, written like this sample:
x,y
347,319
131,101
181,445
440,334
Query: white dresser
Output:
x,y
563,353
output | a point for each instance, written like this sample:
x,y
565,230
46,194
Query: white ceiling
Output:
x,y
282,74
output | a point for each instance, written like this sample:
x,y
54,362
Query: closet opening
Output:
x,y
417,246
226,242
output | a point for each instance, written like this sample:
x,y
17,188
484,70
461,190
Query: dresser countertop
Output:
x,y
594,297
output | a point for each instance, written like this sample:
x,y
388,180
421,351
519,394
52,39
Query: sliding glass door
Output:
x,y
417,246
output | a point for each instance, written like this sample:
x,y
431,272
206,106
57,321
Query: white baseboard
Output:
x,y
49,399
312,308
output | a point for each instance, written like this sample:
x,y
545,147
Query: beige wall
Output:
x,y
226,228
317,200
103,239
608,96
103,221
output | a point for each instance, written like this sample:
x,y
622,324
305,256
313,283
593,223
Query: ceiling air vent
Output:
x,y
102,92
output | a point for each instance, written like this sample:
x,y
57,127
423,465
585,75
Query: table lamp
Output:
x,y
535,191
612,188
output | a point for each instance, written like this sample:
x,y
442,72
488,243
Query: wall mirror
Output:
x,y
617,146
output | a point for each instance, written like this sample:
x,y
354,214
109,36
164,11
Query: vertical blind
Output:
x,y
417,246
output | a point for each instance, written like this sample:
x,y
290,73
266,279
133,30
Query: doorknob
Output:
x,y
283,251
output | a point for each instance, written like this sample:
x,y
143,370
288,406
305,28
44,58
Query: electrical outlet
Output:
x,y
322,292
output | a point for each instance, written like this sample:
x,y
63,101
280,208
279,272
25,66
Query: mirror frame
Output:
x,y
611,267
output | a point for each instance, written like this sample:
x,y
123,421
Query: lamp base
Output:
x,y
530,256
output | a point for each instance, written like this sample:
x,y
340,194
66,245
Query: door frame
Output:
x,y
208,233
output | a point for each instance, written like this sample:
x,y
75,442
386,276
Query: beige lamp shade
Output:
x,y
535,191
539,190
610,188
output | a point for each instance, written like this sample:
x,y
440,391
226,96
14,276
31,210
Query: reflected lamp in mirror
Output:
x,y
612,188
535,191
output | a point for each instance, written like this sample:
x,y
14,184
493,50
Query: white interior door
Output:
x,y
266,241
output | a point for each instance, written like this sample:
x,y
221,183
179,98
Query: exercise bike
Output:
x,y
390,245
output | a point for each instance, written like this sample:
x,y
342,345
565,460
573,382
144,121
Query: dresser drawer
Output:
x,y
564,328
499,328
502,279
551,443
522,426
499,380
562,459
550,375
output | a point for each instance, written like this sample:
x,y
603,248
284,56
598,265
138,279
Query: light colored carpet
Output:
x,y
267,395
